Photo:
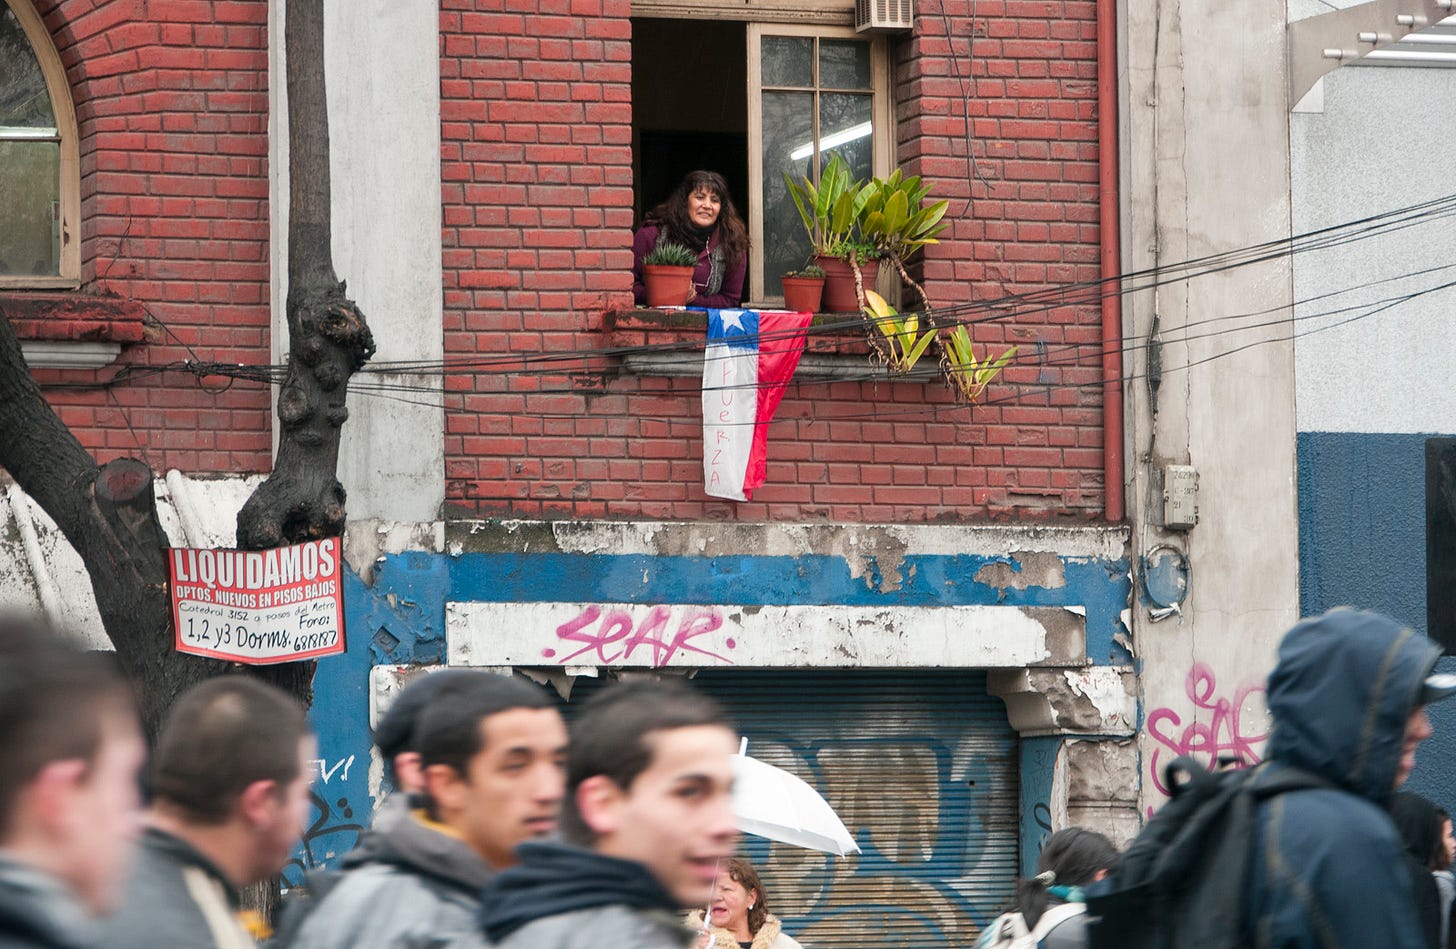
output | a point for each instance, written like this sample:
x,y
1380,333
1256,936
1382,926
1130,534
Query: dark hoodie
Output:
x,y
1329,870
560,896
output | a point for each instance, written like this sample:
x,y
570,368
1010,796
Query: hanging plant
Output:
x,y
900,343
967,376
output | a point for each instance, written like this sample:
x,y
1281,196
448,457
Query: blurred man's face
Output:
x,y
1417,729
677,817
511,791
286,816
105,816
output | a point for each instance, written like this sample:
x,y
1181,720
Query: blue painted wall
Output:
x,y
1362,542
400,619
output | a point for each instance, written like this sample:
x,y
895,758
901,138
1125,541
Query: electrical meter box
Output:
x,y
1180,497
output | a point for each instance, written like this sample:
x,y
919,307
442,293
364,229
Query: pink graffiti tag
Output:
x,y
1223,735
616,638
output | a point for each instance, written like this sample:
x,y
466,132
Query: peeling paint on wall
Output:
x,y
1025,569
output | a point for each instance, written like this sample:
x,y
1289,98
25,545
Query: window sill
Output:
x,y
59,330
836,348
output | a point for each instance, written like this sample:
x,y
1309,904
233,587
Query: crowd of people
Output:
x,y
506,830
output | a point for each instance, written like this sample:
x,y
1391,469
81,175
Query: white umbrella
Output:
x,y
770,802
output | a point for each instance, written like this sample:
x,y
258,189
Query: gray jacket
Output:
x,y
565,897
38,911
406,886
176,898
619,926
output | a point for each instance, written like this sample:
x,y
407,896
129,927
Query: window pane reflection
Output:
x,y
845,128
788,61
788,119
844,64
30,241
24,101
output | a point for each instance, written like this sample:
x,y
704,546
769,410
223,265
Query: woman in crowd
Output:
x,y
1419,823
738,916
700,216
1051,912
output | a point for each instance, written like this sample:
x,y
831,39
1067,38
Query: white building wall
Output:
x,y
383,73
1206,170
1382,140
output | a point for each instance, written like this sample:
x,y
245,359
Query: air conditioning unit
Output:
x,y
883,16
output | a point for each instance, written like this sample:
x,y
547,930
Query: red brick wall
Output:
x,y
537,230
1022,182
172,100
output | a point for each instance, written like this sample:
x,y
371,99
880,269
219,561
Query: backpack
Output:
x,y
1181,883
1009,929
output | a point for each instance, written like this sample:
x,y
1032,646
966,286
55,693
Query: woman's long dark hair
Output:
x,y
672,216
1075,856
745,876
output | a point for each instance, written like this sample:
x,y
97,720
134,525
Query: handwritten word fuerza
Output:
x,y
613,636
1222,735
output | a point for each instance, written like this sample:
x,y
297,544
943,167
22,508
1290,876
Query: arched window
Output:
x,y
40,200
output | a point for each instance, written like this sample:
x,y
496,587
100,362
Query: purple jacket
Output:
x,y
730,294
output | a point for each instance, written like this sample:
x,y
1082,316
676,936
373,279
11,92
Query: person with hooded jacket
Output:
x,y
1347,698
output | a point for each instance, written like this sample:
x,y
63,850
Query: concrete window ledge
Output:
x,y
669,343
69,330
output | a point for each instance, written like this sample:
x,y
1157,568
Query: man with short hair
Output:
x,y
491,755
70,752
230,780
1348,699
646,820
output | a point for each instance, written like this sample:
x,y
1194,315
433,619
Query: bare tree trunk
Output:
x,y
328,339
109,515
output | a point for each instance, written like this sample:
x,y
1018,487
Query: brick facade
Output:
x,y
537,192
537,217
172,107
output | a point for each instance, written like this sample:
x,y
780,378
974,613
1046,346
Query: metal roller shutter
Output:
x,y
922,767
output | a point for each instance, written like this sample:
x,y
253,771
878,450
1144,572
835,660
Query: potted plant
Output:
x,y
667,272
804,288
831,214
893,221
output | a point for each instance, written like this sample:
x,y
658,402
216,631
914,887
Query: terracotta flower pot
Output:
x,y
802,294
839,295
667,285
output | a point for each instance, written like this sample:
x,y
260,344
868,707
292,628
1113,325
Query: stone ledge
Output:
x,y
830,333
73,317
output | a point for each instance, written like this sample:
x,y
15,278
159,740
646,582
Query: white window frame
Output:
x,y
70,166
882,109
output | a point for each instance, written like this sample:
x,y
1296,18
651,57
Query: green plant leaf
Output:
x,y
919,350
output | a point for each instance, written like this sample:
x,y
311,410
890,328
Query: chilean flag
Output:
x,y
750,357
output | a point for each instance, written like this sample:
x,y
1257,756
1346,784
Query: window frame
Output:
x,y
882,109
64,108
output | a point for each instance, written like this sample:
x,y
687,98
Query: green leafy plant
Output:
x,y
809,270
969,376
893,220
831,209
902,344
671,254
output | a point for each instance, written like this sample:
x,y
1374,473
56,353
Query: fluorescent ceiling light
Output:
x,y
853,133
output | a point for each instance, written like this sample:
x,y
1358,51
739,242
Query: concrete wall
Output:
x,y
1371,391
382,70
1206,170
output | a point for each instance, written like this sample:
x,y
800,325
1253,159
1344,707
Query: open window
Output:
x,y
39,164
753,101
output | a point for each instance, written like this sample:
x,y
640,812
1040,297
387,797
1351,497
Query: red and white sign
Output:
x,y
259,606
